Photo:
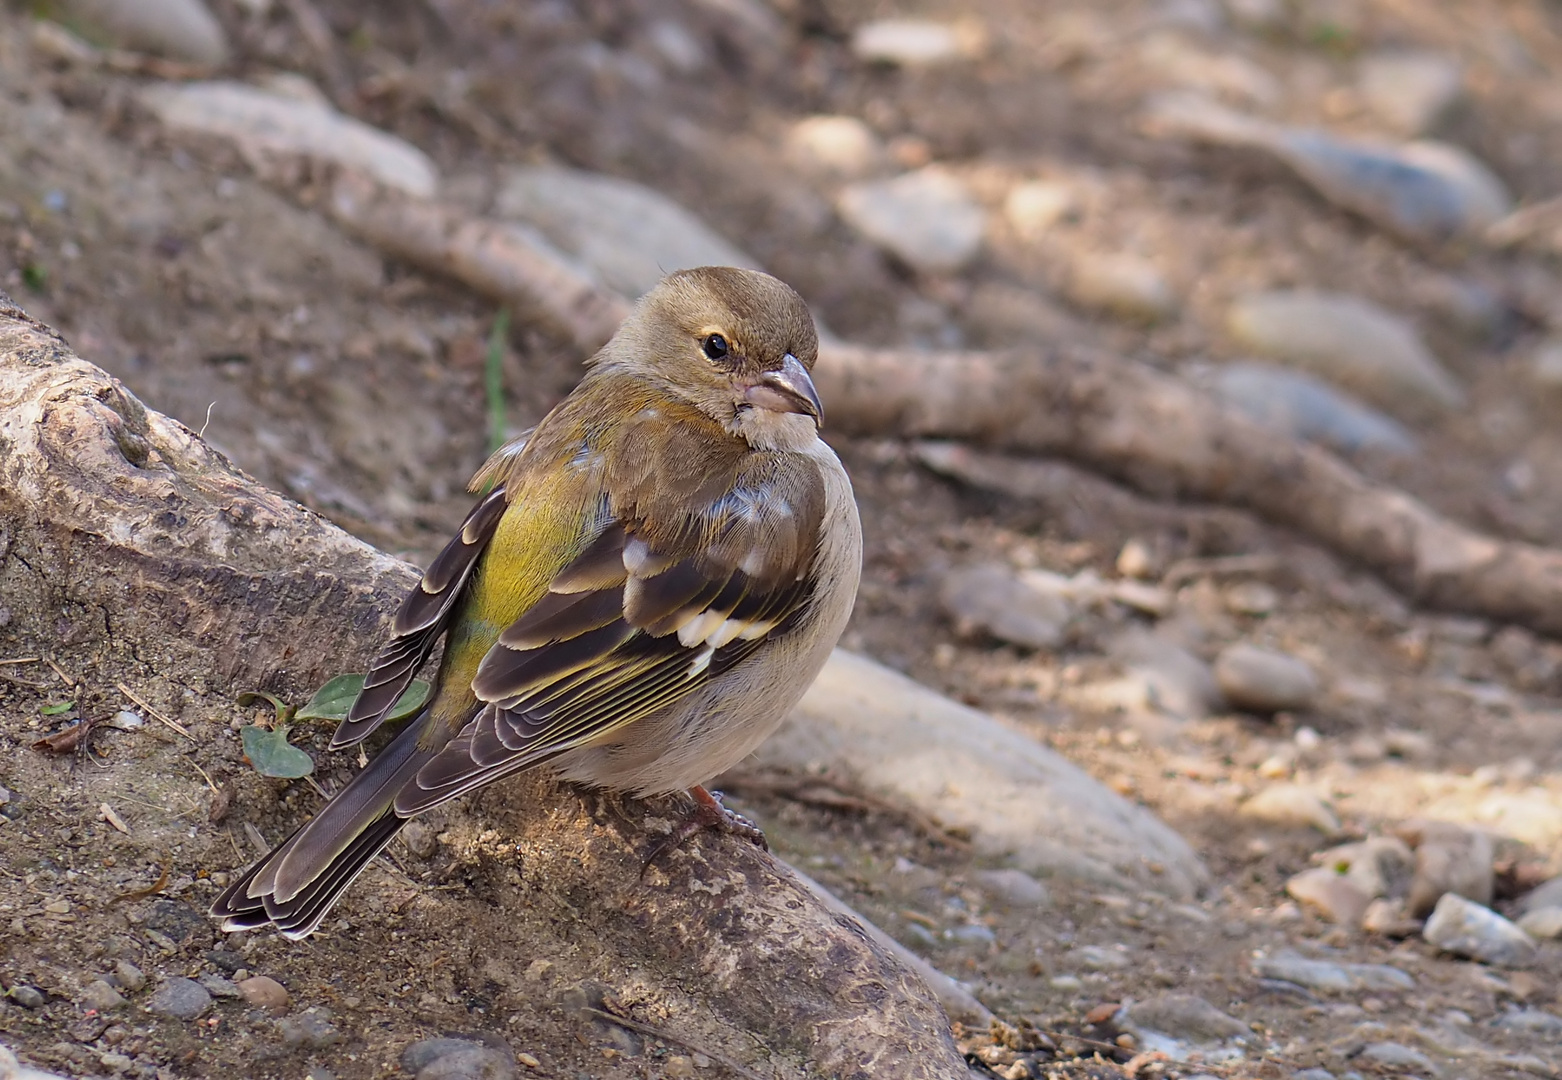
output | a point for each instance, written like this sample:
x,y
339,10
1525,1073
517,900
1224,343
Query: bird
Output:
x,y
650,580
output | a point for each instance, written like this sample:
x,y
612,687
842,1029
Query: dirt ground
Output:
x,y
355,385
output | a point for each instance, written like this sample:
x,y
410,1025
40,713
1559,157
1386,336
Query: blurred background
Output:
x,y
1332,216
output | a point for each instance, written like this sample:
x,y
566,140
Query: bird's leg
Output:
x,y
708,813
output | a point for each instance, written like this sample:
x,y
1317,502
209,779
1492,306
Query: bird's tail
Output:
x,y
295,885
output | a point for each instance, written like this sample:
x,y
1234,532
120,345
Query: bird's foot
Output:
x,y
708,813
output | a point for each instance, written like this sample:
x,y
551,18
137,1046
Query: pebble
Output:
x,y
1449,859
116,1063
990,599
28,997
264,992
218,987
1184,1016
971,934
835,147
1543,924
311,1029
1163,676
129,976
1034,206
1098,958
1392,1055
1546,894
1331,894
420,839
1292,805
1425,191
1350,342
1012,888
1308,408
1126,286
182,998
926,218
457,1059
1379,865
101,996
1250,598
1409,91
1389,918
1545,365
630,235
915,42
1329,976
1468,929
1264,680
1537,1020
177,29
262,121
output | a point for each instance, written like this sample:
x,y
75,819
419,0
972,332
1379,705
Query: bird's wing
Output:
x,y
672,592
424,616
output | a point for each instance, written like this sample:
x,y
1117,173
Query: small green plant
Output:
x,y
35,277
58,707
266,746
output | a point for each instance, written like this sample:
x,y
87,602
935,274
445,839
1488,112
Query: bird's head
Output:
x,y
736,344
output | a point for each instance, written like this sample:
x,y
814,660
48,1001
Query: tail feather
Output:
x,y
295,885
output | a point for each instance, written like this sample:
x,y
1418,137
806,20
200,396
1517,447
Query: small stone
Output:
x,y
1449,859
115,1062
1136,560
420,1055
1013,889
1334,896
1250,598
1184,1016
1097,958
1161,676
971,934
101,996
1329,976
1352,343
991,599
916,42
1379,865
176,29
1468,929
475,1063
28,997
182,998
419,838
1397,1056
1125,286
1546,894
926,218
628,234
226,961
1543,924
1536,1020
264,992
678,1067
1545,364
1033,207
264,122
1389,918
1264,680
129,976
1066,983
311,1029
1308,408
837,147
218,987
531,1062
1292,805
1409,91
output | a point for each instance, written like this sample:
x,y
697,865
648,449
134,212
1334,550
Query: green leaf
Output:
x,y
57,708
273,755
332,700
283,709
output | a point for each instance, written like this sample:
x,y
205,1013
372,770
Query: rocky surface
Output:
x,y
1004,175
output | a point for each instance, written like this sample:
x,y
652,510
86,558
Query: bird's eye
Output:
x,y
715,347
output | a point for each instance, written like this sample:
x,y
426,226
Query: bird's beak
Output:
x,y
787,390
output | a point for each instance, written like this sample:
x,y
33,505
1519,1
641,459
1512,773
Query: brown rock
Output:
x,y
264,992
1449,859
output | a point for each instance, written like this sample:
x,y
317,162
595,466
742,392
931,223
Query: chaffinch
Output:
x,y
657,572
